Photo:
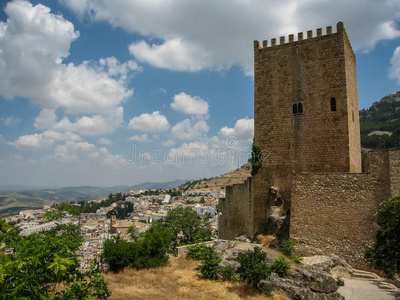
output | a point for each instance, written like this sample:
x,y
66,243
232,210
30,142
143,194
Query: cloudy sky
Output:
x,y
107,92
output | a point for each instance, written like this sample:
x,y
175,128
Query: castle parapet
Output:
x,y
300,37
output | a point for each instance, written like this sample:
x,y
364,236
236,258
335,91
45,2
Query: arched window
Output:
x,y
300,108
295,108
333,104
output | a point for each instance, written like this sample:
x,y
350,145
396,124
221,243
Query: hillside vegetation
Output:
x,y
380,124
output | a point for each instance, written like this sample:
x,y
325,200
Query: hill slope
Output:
x,y
380,124
220,182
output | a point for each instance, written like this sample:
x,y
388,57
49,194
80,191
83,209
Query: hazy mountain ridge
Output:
x,y
14,201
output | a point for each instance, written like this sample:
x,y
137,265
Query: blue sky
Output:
x,y
121,92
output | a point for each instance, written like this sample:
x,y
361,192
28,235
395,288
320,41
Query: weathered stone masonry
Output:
x,y
307,125
335,211
235,219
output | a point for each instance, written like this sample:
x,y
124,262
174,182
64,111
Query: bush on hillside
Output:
x,y
253,267
149,250
385,254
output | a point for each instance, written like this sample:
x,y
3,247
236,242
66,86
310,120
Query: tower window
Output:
x,y
295,108
333,104
300,108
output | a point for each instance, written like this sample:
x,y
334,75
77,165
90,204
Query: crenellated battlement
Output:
x,y
300,37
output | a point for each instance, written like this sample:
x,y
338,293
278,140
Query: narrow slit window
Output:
x,y
300,108
295,108
333,104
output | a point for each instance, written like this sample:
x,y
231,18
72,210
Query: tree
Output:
x,y
253,267
385,254
132,232
117,253
209,267
60,210
186,221
68,208
45,266
149,250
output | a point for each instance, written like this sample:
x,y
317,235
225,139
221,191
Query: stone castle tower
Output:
x,y
305,111
306,106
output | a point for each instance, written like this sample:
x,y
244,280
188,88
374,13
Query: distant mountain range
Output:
x,y
16,198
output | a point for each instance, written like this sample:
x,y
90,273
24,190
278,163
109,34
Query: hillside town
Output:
x,y
97,227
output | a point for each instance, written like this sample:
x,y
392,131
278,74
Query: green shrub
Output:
x,y
281,266
340,281
267,290
209,267
198,251
148,251
253,267
297,259
385,253
256,159
288,248
229,274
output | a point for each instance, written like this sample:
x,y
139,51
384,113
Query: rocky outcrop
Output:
x,y
309,283
331,264
305,285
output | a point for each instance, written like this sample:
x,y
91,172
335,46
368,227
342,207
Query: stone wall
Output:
x,y
236,218
335,211
352,107
394,169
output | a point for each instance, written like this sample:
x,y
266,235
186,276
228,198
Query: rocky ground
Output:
x,y
317,277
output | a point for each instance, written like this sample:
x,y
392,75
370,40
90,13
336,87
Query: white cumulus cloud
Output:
x,y
95,125
242,131
168,143
33,44
60,136
44,140
186,130
141,138
155,122
71,150
189,105
172,55
104,141
204,34
10,121
394,71
32,142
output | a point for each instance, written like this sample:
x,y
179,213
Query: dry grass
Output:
x,y
178,280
